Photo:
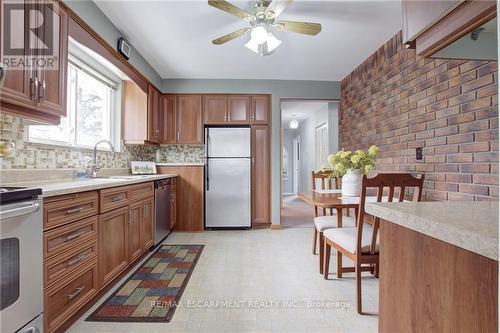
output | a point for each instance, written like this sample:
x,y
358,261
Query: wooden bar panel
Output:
x,y
427,285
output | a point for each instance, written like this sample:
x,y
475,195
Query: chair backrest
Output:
x,y
390,182
325,181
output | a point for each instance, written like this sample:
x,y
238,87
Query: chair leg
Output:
x,y
321,251
326,262
358,287
339,264
315,239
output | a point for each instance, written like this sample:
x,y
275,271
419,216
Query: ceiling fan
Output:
x,y
262,41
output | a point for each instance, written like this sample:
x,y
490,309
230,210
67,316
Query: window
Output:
x,y
92,110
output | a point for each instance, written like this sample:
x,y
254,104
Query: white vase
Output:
x,y
351,183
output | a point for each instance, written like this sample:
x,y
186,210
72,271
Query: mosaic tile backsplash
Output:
x,y
28,155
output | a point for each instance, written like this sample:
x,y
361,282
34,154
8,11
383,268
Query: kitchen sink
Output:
x,y
123,177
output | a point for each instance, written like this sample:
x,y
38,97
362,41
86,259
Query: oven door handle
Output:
x,y
19,211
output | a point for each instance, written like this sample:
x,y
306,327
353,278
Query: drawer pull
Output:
x,y
74,210
75,260
74,235
75,293
117,198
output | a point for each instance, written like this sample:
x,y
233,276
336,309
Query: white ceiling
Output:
x,y
300,110
175,38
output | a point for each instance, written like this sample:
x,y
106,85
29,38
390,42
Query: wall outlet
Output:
x,y
418,154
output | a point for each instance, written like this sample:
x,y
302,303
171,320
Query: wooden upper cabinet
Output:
x,y
154,115
39,93
52,81
419,15
260,110
168,115
135,117
215,109
189,119
239,109
261,175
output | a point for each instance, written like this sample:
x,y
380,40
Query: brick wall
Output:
x,y
400,101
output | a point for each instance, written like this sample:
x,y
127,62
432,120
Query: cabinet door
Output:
x,y
19,85
261,110
147,231
173,204
188,118
215,109
52,87
261,170
168,110
239,109
113,243
154,115
134,231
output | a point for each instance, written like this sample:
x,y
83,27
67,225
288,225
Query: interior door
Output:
x,y
189,121
52,81
296,164
239,109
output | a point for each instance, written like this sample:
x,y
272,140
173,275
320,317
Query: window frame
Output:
x,y
103,75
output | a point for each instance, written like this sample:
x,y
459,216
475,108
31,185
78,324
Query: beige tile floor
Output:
x,y
261,266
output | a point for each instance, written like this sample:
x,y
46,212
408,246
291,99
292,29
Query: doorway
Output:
x,y
309,134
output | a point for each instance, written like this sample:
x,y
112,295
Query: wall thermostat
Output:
x,y
124,48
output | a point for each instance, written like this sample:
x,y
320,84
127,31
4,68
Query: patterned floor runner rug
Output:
x,y
153,291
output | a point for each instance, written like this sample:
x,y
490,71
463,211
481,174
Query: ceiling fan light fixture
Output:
x,y
272,42
259,34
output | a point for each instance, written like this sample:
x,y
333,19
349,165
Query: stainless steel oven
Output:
x,y
21,294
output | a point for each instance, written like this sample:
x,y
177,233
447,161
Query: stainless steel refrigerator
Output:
x,y
227,177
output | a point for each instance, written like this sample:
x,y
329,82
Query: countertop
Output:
x,y
67,186
472,226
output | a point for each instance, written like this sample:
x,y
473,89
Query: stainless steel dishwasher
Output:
x,y
163,212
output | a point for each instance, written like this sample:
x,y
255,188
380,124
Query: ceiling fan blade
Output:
x,y
277,7
306,28
231,36
230,8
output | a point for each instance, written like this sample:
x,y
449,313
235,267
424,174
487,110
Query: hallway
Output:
x,y
296,213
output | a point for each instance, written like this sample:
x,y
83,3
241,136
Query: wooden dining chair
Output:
x,y
361,243
324,222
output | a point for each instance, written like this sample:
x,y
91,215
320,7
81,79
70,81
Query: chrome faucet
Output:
x,y
95,167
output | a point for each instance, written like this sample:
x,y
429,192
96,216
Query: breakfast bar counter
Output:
x,y
438,266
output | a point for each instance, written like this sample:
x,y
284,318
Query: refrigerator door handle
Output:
x,y
207,174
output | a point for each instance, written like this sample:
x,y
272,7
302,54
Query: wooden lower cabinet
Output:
x,y
190,193
146,232
83,254
113,243
134,231
63,299
261,175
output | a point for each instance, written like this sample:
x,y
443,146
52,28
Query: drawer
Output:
x,y
113,198
68,296
141,191
63,238
68,262
68,208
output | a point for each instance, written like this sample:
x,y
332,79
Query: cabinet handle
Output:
x,y
33,85
74,210
74,235
178,135
41,94
229,116
145,210
117,198
75,293
75,260
225,116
